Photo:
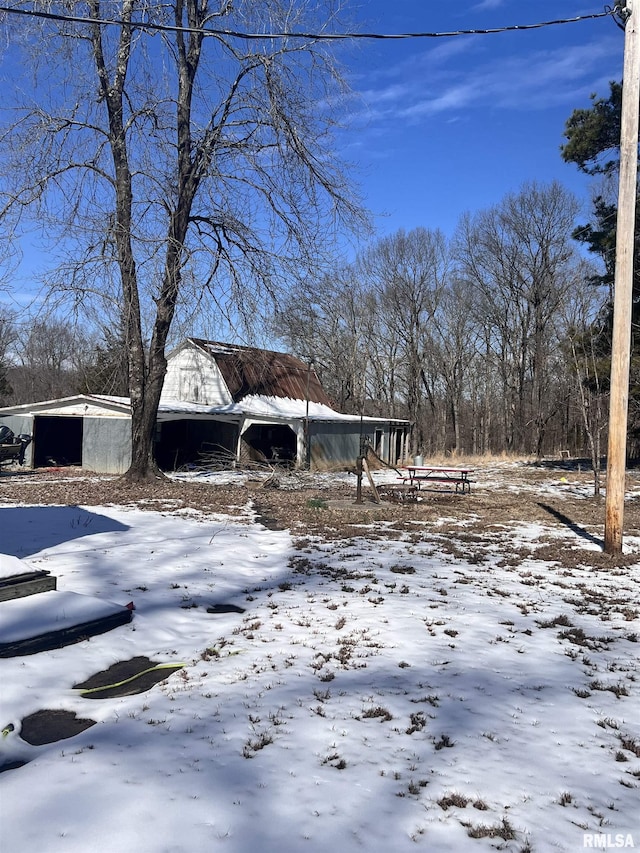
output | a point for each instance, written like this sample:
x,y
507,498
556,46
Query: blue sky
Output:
x,y
444,126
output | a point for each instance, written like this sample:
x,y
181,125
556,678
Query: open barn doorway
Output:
x,y
194,442
275,443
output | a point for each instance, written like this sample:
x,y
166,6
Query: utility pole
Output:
x,y
629,11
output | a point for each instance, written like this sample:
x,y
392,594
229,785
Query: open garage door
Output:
x,y
57,441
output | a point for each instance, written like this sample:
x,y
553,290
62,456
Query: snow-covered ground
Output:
x,y
379,693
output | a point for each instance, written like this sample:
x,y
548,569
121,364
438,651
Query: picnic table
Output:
x,y
417,475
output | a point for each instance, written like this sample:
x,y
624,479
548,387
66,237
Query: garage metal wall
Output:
x,y
106,445
106,442
335,445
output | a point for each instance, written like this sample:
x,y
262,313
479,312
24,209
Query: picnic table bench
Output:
x,y
417,475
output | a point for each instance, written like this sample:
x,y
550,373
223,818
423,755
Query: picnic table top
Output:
x,y
425,469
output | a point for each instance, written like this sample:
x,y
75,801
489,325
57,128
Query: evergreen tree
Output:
x,y
593,145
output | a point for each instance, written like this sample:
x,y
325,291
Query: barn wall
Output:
x,y
21,424
335,445
106,445
194,377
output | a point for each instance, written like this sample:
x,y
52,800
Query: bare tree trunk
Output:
x,y
157,175
112,88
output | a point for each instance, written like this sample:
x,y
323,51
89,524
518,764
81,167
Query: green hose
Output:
x,y
116,684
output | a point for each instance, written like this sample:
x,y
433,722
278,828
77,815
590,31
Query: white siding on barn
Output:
x,y
194,377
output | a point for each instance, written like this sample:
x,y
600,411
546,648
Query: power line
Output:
x,y
617,10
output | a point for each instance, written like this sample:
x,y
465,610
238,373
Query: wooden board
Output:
x,y
54,619
27,584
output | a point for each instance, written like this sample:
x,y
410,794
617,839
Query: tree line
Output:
x,y
49,359
481,341
486,342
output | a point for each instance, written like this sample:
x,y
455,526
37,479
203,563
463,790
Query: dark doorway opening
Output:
x,y
399,442
271,443
57,441
196,442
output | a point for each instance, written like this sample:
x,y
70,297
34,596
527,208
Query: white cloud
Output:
x,y
488,4
391,93
438,82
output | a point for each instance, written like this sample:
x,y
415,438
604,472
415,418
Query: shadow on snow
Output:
x,y
28,530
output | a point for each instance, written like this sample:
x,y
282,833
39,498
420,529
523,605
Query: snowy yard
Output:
x,y
383,687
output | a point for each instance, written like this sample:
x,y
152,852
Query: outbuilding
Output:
x,y
218,400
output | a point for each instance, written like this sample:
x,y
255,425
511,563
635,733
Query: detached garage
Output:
x,y
93,432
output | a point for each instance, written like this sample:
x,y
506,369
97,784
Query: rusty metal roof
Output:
x,y
248,370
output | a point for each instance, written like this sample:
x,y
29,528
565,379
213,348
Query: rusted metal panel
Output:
x,y
247,371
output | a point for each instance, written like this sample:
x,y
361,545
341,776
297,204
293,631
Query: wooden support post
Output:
x,y
625,233
376,496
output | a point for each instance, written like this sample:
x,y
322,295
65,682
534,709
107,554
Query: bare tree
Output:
x,y
384,358
48,360
408,271
193,160
585,312
106,371
369,326
322,321
455,341
517,256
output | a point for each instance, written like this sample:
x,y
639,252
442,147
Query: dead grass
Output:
x,y
505,495
502,830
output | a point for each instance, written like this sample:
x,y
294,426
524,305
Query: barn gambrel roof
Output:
x,y
248,371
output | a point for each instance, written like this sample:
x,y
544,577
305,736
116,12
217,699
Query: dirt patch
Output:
x,y
267,520
50,726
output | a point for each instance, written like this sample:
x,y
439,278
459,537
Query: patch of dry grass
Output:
x,y
480,523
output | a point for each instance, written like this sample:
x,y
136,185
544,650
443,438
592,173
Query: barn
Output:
x,y
218,400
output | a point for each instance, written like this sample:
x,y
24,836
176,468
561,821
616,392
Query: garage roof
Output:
x,y
258,406
79,405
